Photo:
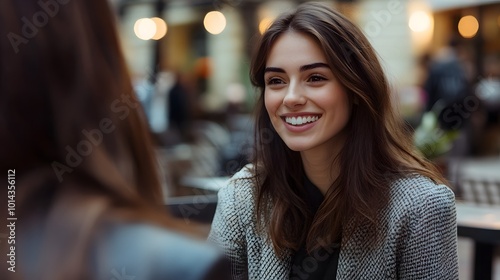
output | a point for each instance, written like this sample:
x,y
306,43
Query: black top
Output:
x,y
322,263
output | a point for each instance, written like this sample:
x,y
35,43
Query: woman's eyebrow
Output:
x,y
274,69
314,65
301,69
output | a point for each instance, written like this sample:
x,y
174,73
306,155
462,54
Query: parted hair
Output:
x,y
378,148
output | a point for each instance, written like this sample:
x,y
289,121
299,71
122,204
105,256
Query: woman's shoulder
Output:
x,y
236,199
244,176
418,190
146,251
240,187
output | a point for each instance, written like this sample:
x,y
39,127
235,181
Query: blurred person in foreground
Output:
x,y
87,193
336,190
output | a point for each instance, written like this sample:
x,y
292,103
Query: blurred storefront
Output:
x,y
401,31
206,42
209,43
206,45
477,23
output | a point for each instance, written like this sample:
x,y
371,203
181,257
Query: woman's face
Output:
x,y
306,104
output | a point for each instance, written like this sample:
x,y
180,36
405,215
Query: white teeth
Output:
x,y
301,120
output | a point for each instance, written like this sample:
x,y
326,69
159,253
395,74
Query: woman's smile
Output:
x,y
301,120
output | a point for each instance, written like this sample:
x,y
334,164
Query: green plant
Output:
x,y
432,141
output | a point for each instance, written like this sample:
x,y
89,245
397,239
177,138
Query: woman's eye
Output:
x,y
316,78
274,81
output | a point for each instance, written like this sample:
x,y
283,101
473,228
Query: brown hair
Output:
x,y
378,148
72,128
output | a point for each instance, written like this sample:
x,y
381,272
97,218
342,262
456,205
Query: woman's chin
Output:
x,y
297,147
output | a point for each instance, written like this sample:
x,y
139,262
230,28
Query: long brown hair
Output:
x,y
378,148
71,128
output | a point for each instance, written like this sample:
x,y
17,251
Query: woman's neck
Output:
x,y
321,168
321,164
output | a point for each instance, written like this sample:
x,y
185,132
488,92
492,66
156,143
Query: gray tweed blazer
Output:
x,y
419,229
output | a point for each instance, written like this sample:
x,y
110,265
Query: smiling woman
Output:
x,y
337,191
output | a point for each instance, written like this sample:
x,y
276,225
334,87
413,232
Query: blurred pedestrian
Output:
x,y
447,86
84,192
336,190
179,115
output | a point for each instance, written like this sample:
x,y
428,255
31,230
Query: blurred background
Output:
x,y
190,61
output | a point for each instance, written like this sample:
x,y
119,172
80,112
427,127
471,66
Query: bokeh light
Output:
x,y
214,22
420,21
145,28
161,28
468,26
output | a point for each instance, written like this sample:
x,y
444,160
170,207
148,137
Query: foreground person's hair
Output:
x,y
74,132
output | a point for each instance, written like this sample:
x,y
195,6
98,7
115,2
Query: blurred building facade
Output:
x,y
401,31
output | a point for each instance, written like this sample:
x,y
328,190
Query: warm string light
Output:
x,y
150,28
468,26
155,28
420,21
161,28
421,25
214,22
145,28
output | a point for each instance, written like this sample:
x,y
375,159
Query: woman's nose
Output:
x,y
294,96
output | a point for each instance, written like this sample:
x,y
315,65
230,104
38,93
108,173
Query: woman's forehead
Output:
x,y
294,47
